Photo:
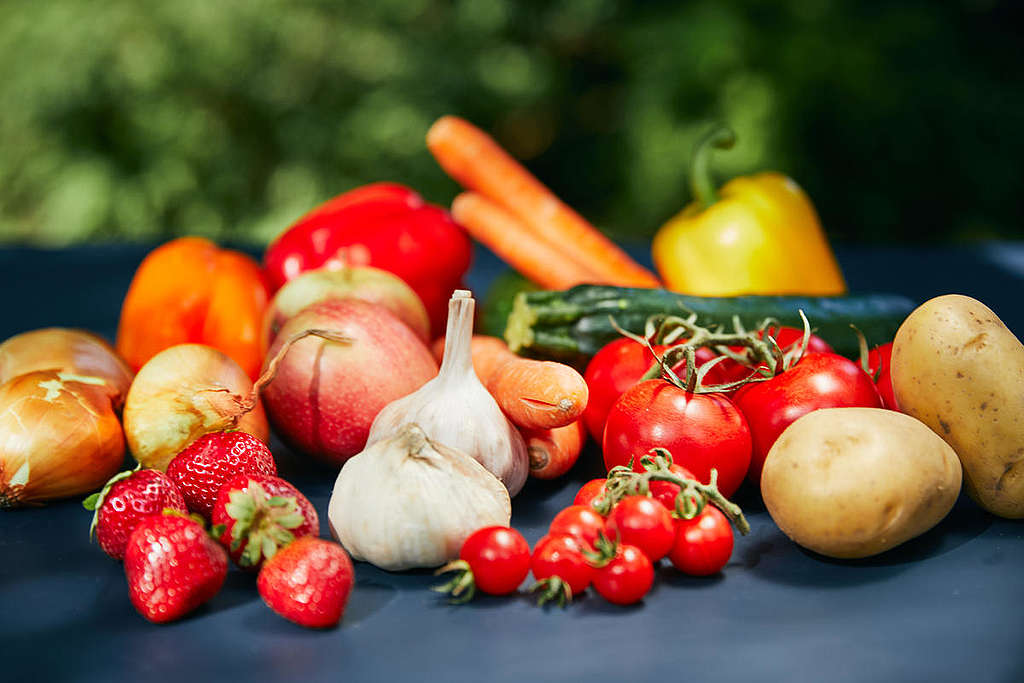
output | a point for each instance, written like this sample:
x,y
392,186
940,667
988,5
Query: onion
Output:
x,y
65,350
59,437
180,394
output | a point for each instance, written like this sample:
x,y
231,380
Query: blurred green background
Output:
x,y
139,121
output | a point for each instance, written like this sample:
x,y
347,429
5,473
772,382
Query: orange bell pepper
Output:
x,y
189,290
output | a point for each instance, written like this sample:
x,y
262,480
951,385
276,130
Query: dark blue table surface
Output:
x,y
948,606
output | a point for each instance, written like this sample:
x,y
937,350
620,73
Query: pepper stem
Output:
x,y
719,137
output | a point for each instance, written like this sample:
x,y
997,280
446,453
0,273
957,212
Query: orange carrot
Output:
x,y
478,163
553,452
512,241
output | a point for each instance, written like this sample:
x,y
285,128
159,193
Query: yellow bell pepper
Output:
x,y
758,235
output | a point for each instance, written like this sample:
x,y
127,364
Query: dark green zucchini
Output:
x,y
572,325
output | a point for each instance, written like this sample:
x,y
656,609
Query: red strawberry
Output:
x,y
209,461
172,566
124,501
258,514
308,582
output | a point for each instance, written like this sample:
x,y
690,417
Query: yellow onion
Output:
x,y
180,394
65,350
59,437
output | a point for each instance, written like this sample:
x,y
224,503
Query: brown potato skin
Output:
x,y
957,368
855,482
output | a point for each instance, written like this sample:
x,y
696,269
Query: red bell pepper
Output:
x,y
383,225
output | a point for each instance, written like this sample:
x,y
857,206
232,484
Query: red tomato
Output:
x,y
499,558
819,380
590,492
627,578
562,556
643,522
703,545
701,431
880,362
665,492
790,337
579,521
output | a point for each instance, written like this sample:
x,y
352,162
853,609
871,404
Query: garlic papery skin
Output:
x,y
408,502
455,409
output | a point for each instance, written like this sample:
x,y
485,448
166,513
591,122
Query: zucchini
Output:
x,y
573,325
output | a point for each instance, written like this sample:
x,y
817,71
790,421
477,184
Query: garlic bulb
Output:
x,y
455,409
408,502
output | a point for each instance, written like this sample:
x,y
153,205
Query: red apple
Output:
x,y
326,393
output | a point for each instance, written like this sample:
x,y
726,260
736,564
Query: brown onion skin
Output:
x,y
65,431
180,394
326,394
65,350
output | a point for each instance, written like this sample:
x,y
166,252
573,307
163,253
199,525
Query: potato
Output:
x,y
854,482
957,368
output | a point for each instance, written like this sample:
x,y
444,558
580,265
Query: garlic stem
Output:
x,y
458,357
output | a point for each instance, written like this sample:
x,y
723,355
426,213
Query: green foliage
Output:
x,y
129,120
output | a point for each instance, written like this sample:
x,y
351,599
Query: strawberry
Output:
x,y
258,514
308,582
209,461
172,566
125,500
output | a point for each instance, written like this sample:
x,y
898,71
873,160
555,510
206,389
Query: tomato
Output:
x,y
562,556
499,558
579,521
665,492
819,380
589,492
879,361
702,545
790,338
627,578
643,522
701,431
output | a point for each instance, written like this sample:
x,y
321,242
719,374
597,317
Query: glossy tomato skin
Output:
x,y
562,556
665,492
499,558
790,337
702,545
627,578
701,431
589,492
616,367
643,522
880,362
819,380
579,521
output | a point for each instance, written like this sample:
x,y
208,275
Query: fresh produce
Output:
x,y
818,380
626,577
616,367
497,302
957,368
125,500
561,569
455,409
326,393
553,452
75,352
308,582
255,515
61,437
581,522
189,291
407,501
172,567
703,545
590,492
880,367
551,231
666,492
573,325
383,225
854,482
643,522
210,461
757,235
182,393
494,559
365,283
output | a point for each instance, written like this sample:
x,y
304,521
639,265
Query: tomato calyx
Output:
x,y
552,589
462,586
605,550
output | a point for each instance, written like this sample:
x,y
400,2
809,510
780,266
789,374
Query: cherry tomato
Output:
x,y
790,338
701,431
627,578
643,522
702,545
819,380
579,521
499,558
562,556
880,362
589,492
665,492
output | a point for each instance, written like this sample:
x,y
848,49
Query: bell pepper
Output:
x,y
189,290
757,235
384,225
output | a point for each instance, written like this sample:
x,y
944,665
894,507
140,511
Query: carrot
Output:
x,y
533,394
478,163
553,452
512,241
